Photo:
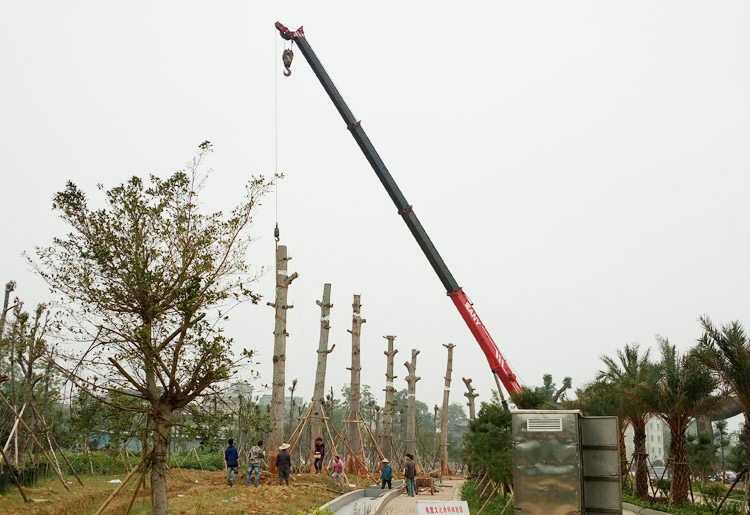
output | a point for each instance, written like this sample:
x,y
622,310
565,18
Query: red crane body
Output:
x,y
498,364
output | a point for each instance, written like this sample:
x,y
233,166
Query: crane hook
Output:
x,y
287,57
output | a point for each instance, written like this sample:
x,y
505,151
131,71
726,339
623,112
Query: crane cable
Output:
x,y
276,136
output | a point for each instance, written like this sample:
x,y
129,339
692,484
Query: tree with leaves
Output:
x,y
726,351
721,437
625,374
147,280
490,441
683,390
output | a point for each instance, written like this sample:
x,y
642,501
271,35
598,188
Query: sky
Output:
x,y
582,166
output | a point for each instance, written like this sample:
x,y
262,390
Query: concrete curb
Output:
x,y
642,511
384,497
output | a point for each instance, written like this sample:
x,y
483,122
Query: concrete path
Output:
x,y
405,505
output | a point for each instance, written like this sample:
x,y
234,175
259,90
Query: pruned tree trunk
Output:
x,y
355,459
641,466
680,467
283,280
162,431
386,437
316,417
471,396
411,407
444,467
623,453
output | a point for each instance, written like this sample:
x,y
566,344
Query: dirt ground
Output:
x,y
190,492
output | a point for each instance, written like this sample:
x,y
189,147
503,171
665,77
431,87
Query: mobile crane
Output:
x,y
499,366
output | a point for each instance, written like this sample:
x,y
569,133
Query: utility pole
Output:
x,y
411,414
444,467
471,396
316,419
283,280
355,459
386,438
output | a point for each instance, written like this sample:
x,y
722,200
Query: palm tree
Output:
x,y
682,392
726,352
625,374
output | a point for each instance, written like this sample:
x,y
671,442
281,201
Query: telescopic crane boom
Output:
x,y
498,364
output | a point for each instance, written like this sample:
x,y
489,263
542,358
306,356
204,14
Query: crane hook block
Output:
x,y
287,57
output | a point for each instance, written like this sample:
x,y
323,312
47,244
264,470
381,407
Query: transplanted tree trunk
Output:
x,y
411,406
147,278
355,458
316,413
471,396
283,280
386,438
444,466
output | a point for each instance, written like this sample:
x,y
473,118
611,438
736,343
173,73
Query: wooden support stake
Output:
x,y
13,476
31,433
146,457
13,431
50,435
138,484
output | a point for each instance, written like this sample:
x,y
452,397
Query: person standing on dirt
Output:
x,y
410,473
338,472
386,474
232,461
284,463
256,458
320,454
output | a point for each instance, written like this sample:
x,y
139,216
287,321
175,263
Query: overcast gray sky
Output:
x,y
582,167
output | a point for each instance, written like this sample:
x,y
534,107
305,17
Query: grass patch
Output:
x,y
475,501
189,492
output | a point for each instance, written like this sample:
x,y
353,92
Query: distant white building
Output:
x,y
657,441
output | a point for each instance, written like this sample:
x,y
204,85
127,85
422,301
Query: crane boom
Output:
x,y
498,364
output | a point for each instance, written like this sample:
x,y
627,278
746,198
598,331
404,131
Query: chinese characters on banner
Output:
x,y
432,507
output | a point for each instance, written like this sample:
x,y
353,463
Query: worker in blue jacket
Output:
x,y
386,474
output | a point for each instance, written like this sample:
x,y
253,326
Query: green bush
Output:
x,y
475,500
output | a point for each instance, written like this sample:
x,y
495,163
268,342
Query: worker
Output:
x,y
320,453
284,463
386,474
338,472
410,473
256,458
232,461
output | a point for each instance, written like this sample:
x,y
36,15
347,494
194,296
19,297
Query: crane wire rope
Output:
x,y
276,134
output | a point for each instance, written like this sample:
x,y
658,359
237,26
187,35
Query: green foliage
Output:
x,y
726,352
701,454
712,493
683,509
735,459
471,495
490,440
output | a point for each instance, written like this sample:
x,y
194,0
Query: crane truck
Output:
x,y
499,366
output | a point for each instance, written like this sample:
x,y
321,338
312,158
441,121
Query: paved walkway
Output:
x,y
405,505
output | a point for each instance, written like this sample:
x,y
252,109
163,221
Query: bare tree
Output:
x,y
147,280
